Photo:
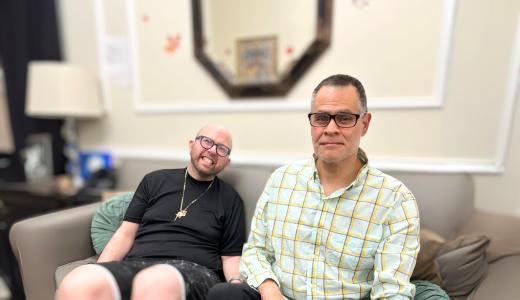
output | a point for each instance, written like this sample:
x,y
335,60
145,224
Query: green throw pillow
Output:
x,y
107,219
428,290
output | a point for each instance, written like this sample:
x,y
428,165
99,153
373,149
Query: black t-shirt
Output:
x,y
213,226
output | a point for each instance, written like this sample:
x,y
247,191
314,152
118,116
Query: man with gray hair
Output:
x,y
333,227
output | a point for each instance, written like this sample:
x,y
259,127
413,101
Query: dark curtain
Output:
x,y
28,31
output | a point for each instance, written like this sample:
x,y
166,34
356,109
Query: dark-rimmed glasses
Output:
x,y
207,143
342,119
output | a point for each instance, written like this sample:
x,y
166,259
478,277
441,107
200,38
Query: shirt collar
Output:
x,y
362,157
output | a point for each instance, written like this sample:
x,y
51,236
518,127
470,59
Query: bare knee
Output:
x,y
157,282
85,282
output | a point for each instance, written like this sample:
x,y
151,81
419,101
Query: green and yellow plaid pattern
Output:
x,y
359,242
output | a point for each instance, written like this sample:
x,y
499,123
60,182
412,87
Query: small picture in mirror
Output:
x,y
256,60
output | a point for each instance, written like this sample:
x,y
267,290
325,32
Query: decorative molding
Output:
x,y
281,104
506,125
272,104
136,87
435,165
426,165
444,51
100,39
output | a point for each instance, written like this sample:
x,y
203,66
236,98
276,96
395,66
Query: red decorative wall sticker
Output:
x,y
172,43
289,50
227,52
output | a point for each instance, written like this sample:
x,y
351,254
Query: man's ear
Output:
x,y
190,144
228,162
366,122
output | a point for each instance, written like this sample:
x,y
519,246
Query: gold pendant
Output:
x,y
181,213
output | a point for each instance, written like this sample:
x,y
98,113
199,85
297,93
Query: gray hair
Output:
x,y
342,80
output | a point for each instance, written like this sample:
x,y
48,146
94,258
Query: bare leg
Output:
x,y
87,282
158,282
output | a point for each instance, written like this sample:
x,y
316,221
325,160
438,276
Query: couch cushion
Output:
x,y
501,281
463,264
445,200
107,219
426,267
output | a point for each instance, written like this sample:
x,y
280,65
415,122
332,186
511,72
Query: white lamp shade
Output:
x,y
58,89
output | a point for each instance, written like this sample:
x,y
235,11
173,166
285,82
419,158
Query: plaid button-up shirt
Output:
x,y
360,241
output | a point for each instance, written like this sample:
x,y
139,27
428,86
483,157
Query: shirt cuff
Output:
x,y
259,278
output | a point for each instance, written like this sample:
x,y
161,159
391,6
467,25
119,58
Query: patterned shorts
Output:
x,y
197,279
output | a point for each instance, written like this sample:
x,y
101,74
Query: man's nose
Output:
x,y
332,126
213,149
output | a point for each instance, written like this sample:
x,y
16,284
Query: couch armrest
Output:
x,y
43,243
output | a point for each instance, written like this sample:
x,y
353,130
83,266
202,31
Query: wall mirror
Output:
x,y
260,48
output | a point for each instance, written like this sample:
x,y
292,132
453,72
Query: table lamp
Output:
x,y
61,90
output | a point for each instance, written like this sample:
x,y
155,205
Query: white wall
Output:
x,y
499,192
471,129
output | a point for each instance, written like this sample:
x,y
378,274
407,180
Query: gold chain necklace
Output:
x,y
184,211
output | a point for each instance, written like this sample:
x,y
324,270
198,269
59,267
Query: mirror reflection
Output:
x,y
260,48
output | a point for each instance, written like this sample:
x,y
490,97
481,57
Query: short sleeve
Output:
x,y
233,238
139,202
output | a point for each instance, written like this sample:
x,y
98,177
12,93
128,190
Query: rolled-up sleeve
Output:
x,y
397,253
258,254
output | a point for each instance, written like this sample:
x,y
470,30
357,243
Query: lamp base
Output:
x,y
71,151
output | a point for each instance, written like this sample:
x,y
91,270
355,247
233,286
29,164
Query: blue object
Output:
x,y
92,161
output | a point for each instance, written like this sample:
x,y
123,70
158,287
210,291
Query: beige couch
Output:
x,y
4,291
42,244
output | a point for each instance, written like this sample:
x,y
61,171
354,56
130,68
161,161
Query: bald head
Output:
x,y
206,152
217,130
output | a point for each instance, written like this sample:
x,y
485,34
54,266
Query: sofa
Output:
x,y
56,241
5,294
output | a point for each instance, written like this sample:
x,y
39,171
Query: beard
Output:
x,y
203,172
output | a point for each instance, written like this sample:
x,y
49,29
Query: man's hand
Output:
x,y
269,290
230,265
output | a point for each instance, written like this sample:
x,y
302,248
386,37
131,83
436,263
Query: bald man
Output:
x,y
182,233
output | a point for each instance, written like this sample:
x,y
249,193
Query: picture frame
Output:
x,y
256,60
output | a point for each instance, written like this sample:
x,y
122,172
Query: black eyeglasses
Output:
x,y
207,143
342,119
